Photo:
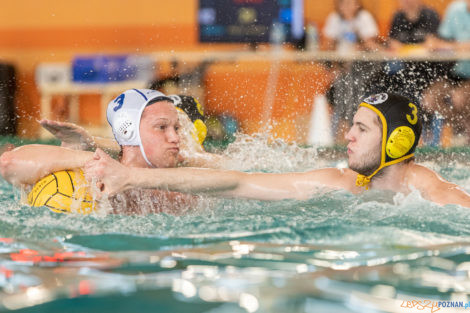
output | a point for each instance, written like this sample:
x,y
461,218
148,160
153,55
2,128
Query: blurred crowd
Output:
x,y
441,89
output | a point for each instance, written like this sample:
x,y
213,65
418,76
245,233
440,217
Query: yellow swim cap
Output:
x,y
401,129
193,109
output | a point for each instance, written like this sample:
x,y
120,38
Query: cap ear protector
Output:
x,y
193,109
400,142
124,128
401,129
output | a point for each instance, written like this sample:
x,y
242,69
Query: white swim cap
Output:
x,y
124,114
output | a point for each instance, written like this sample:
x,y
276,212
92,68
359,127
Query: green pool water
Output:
x,y
333,253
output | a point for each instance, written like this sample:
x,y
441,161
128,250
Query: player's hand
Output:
x,y
110,175
71,135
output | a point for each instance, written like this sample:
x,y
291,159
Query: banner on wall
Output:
x,y
249,21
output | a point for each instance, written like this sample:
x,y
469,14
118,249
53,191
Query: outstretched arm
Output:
x,y
448,193
114,177
203,159
437,189
27,164
76,137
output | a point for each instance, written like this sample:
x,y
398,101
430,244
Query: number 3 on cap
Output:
x,y
120,101
413,120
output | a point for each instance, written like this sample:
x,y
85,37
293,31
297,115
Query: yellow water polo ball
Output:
x,y
63,192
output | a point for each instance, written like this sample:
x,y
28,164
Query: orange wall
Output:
x,y
97,24
55,30
60,13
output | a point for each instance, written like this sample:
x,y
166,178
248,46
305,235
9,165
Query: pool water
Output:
x,y
336,252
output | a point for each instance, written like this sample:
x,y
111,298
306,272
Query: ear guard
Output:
x,y
400,141
124,128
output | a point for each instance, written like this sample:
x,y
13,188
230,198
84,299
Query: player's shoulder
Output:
x,y
420,175
419,169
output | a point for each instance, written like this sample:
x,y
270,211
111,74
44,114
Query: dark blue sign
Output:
x,y
250,21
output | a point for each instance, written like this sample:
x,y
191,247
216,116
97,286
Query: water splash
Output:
x,y
261,152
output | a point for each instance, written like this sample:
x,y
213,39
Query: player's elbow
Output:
x,y
7,162
14,169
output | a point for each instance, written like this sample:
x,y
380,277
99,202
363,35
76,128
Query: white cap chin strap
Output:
x,y
144,155
139,139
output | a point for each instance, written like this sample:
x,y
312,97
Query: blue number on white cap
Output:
x,y
120,101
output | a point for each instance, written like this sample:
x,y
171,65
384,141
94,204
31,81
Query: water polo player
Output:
x,y
192,135
386,129
144,122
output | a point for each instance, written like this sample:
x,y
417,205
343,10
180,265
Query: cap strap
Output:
x,y
363,181
144,155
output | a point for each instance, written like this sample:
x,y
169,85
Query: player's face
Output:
x,y
365,140
159,134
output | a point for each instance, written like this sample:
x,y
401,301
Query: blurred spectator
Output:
x,y
449,97
349,28
412,24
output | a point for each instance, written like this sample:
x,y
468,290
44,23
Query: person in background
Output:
x,y
411,25
449,96
349,28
